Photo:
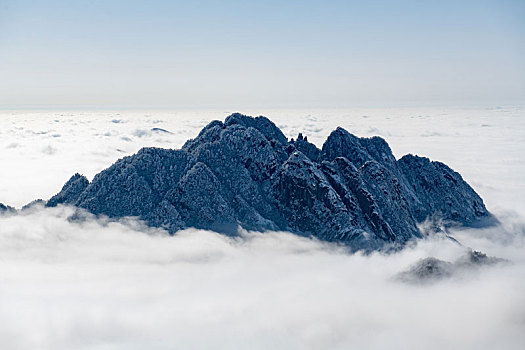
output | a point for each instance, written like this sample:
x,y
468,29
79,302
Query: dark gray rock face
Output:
x,y
428,270
341,143
70,191
244,172
34,204
442,190
307,148
387,190
139,185
200,200
432,270
308,201
6,209
262,124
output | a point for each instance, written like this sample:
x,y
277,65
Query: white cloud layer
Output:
x,y
119,285
108,285
103,285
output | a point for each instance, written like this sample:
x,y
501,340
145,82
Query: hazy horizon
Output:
x,y
229,54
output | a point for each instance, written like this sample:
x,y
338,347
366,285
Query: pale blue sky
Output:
x,y
237,54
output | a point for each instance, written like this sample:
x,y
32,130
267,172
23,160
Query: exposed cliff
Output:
x,y
244,172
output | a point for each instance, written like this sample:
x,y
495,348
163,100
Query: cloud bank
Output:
x,y
95,284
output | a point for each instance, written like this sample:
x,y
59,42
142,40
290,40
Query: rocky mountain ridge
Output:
x,y
245,172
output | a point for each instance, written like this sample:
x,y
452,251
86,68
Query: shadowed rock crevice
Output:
x,y
244,172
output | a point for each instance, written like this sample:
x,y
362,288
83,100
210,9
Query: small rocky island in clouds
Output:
x,y
245,172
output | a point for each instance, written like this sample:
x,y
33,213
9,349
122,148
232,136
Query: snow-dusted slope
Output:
x,y
245,172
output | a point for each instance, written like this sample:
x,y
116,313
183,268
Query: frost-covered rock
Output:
x,y
431,270
307,148
244,172
37,203
6,209
70,191
442,191
427,270
137,186
199,197
308,201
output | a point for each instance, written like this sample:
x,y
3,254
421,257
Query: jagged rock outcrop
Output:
x,y
6,209
34,204
70,192
431,270
244,172
442,190
307,148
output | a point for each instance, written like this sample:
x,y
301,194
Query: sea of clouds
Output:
x,y
98,284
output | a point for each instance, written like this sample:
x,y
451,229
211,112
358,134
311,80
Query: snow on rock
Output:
x,y
244,172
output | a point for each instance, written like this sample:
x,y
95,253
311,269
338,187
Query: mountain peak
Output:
x,y
244,172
